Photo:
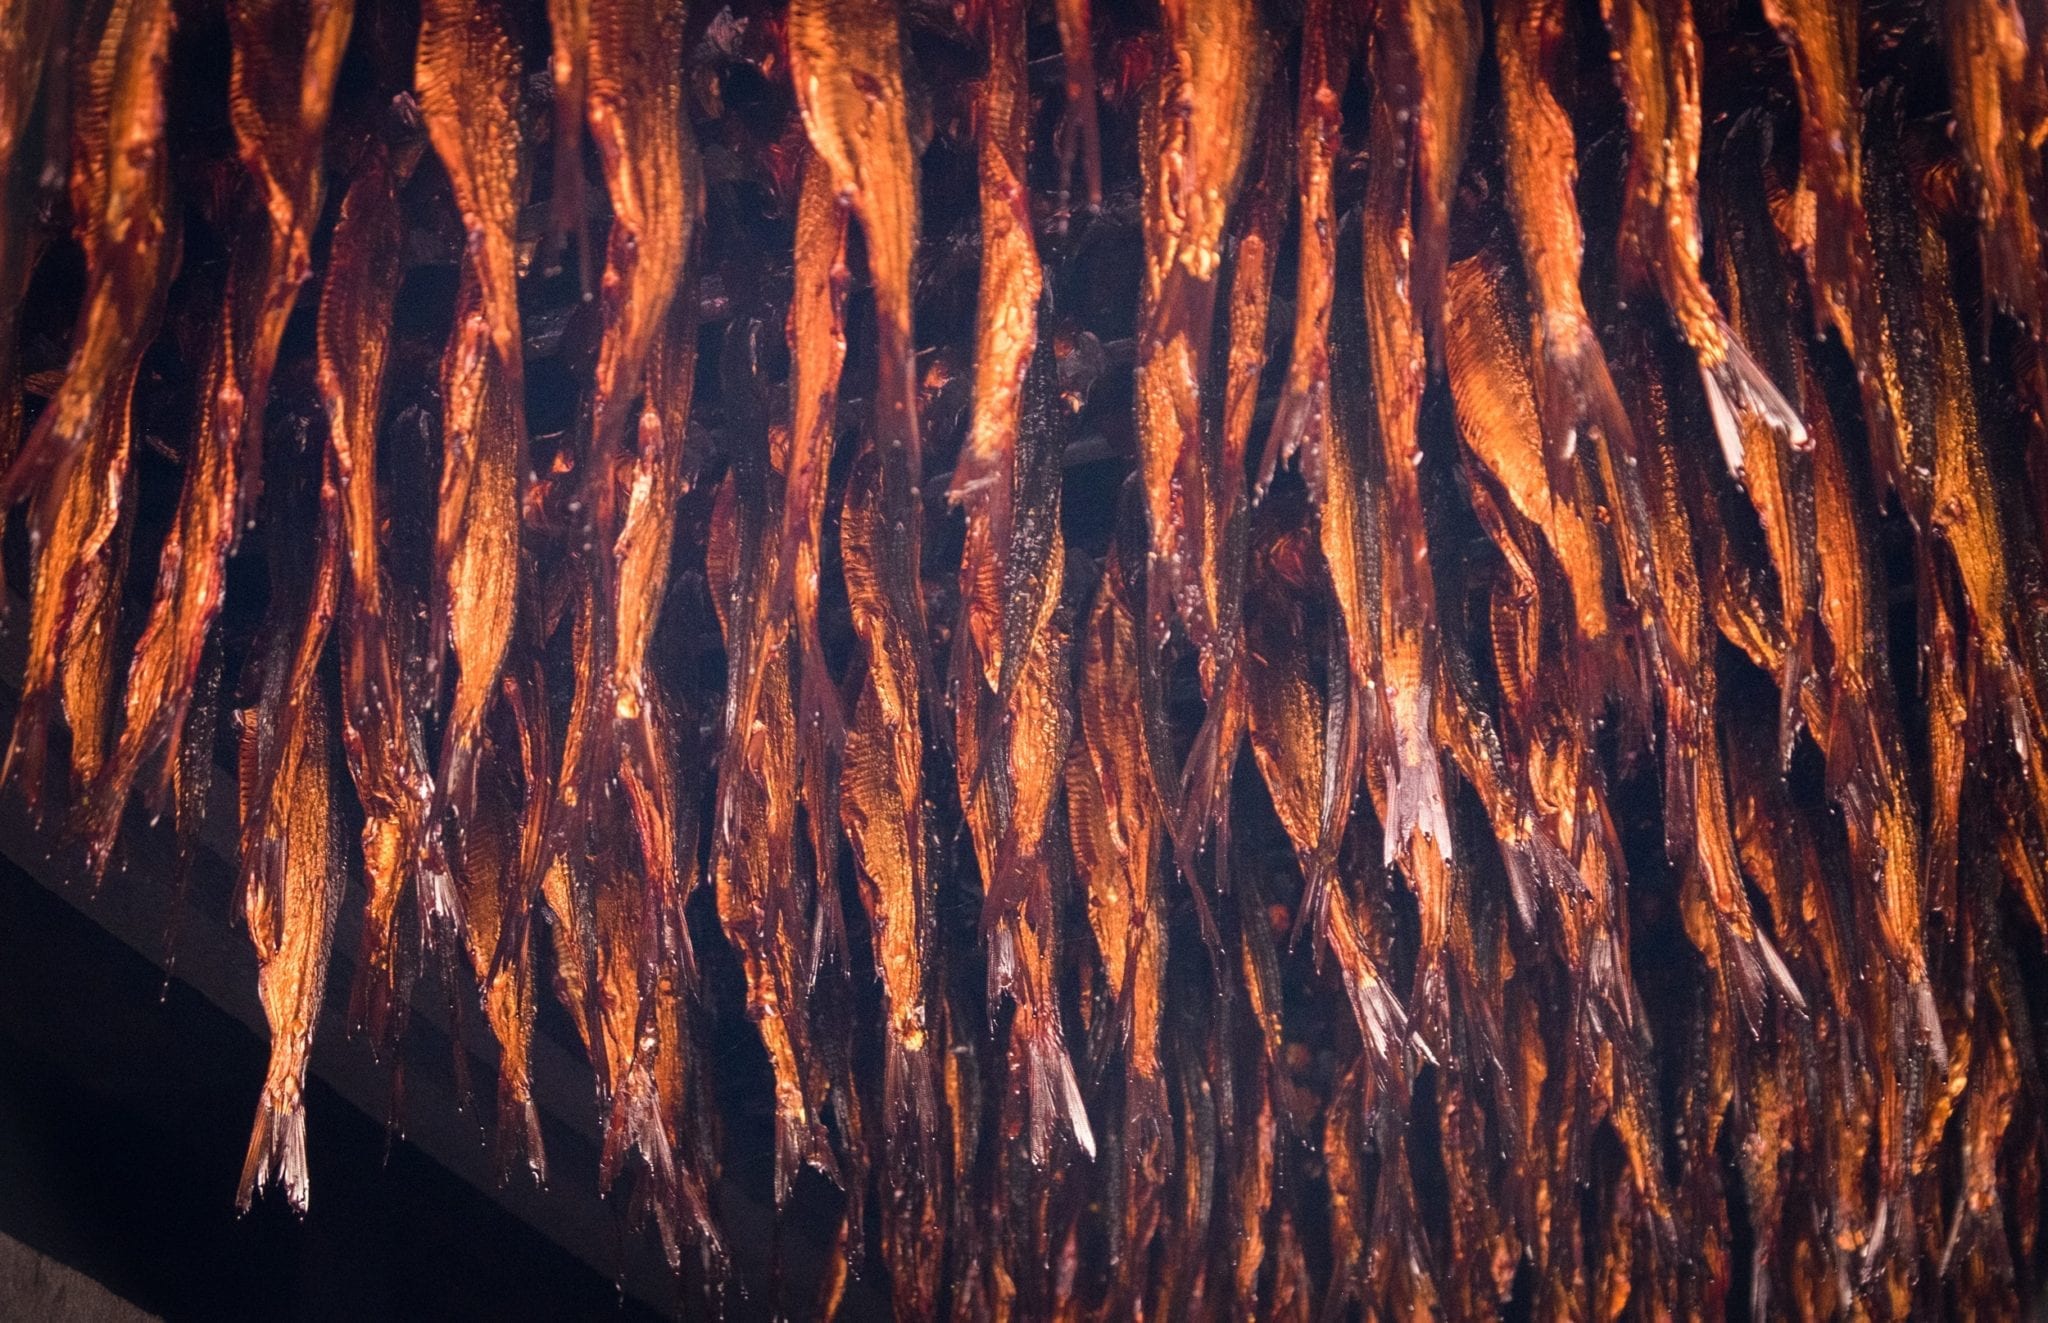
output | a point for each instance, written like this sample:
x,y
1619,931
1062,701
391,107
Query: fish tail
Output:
x,y
519,1137
27,749
1055,1093
1753,966
277,1149
1415,784
1797,667
1299,414
1571,373
441,919
1737,384
374,998
634,1125
800,1142
1383,1023
909,1093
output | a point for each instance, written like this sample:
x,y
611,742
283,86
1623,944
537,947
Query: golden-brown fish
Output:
x,y
753,849
1995,76
1006,333
1329,36
1835,233
1116,823
883,811
1196,129
281,86
1656,48
1697,833
292,896
121,208
1012,740
1574,390
74,592
846,63
386,752
32,49
120,203
468,75
1403,666
487,872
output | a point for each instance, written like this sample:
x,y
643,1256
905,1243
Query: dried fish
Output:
x,y
380,731
1514,621
292,890
120,201
1656,47
281,88
468,77
883,809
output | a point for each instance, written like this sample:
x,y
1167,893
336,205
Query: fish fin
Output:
x,y
27,749
1055,1093
801,1142
1568,377
909,1092
1297,426
1798,665
277,1151
1752,965
1738,384
519,1137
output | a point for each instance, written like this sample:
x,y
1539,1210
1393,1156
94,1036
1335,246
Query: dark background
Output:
x,y
124,1112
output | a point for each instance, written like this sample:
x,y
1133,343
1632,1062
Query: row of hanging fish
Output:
x,y
1288,660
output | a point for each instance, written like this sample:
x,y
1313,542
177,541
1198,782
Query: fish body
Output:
x,y
1656,46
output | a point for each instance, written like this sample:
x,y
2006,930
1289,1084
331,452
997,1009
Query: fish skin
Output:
x,y
79,448
1330,35
1656,49
1197,123
1006,334
468,76
1840,261
1777,476
846,64
1966,517
753,863
1403,666
1292,731
2001,116
387,759
1492,386
477,535
292,879
120,193
1012,741
882,810
1115,829
487,869
1426,57
278,135
635,109
816,332
30,45
621,724
286,58
74,597
1698,838
1205,780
